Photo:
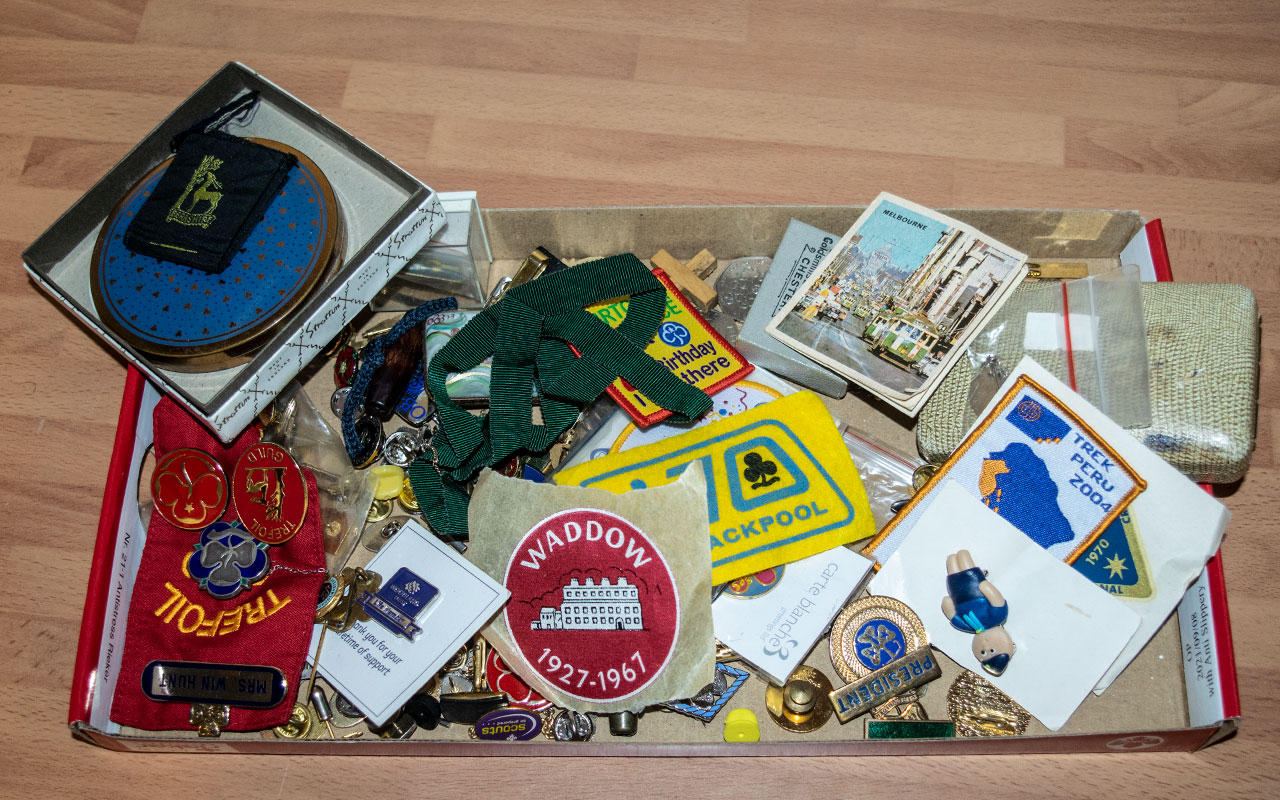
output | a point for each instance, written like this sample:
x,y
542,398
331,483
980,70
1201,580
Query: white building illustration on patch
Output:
x,y
607,607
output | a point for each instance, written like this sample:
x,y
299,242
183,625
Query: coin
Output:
x,y
978,708
871,632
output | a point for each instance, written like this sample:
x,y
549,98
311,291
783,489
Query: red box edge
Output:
x,y
1223,643
92,619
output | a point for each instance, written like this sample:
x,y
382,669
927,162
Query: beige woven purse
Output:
x,y
1202,353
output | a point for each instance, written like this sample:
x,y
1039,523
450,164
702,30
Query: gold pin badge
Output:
x,y
800,705
978,708
871,632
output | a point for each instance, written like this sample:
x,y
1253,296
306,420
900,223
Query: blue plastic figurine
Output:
x,y
974,605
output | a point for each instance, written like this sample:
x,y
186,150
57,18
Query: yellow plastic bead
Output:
x,y
387,480
741,725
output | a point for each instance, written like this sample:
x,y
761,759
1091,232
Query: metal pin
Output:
x,y
481,680
315,662
324,712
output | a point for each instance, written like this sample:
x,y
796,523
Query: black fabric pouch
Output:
x,y
209,200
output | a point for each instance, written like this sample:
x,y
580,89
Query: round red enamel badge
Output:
x,y
269,493
189,489
594,608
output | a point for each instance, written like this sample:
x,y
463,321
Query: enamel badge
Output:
x,y
399,601
189,489
227,560
270,493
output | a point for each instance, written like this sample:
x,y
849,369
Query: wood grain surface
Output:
x,y
1168,107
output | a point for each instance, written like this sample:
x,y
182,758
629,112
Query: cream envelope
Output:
x,y
1066,631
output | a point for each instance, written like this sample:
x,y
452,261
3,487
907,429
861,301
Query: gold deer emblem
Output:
x,y
200,188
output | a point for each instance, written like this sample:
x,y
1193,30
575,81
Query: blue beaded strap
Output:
x,y
372,357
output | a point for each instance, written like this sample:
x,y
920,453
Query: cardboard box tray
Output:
x,y
1166,700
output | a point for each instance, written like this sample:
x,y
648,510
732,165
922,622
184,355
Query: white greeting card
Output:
x,y
376,665
1065,630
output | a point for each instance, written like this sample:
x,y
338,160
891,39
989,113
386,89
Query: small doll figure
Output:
x,y
974,605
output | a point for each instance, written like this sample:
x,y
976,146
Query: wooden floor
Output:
x,y
1171,108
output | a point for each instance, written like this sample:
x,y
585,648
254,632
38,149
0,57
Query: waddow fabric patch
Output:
x,y
610,594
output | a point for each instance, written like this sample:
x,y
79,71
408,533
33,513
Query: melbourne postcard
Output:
x,y
896,302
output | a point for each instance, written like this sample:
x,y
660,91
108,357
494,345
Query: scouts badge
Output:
x,y
608,609
1037,464
974,605
220,620
780,483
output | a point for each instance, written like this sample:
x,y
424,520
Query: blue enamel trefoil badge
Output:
x,y
1036,463
398,603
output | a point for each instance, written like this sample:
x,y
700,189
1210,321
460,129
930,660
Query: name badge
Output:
x,y
780,483
239,685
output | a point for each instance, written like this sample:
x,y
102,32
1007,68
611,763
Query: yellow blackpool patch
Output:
x,y
685,344
780,483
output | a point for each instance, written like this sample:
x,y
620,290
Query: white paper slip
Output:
x,y
773,618
430,603
1066,632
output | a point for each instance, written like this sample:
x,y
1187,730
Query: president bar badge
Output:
x,y
608,608
1036,463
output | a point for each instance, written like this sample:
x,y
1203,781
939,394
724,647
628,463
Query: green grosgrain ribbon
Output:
x,y
529,333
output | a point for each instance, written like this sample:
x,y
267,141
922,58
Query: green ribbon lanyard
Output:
x,y
528,333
